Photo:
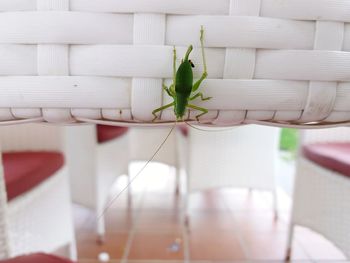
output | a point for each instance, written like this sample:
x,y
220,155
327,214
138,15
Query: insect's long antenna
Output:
x,y
199,129
138,173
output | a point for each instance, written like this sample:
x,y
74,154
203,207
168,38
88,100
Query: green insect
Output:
x,y
182,90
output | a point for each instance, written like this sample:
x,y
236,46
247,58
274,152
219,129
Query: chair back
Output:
x,y
340,134
239,157
31,137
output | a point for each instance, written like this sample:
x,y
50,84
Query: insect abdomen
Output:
x,y
181,102
184,79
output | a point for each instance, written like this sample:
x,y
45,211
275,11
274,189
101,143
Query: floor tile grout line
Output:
x,y
186,246
132,231
185,228
238,232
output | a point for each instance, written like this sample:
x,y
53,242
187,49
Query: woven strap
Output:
x,y
284,62
146,93
322,95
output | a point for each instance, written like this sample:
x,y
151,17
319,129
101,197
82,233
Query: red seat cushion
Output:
x,y
36,258
333,156
25,170
184,129
106,133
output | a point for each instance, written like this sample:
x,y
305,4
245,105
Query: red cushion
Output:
x,y
333,156
184,129
25,170
36,258
106,133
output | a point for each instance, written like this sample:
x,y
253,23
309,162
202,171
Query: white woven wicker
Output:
x,y
224,159
41,219
284,62
321,196
92,166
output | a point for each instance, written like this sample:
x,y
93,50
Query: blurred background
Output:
x,y
244,194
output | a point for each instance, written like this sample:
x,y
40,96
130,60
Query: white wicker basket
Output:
x,y
284,62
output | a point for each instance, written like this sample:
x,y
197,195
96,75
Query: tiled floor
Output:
x,y
227,225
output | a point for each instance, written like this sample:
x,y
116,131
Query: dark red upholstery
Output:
x,y
25,170
333,156
106,133
184,129
36,258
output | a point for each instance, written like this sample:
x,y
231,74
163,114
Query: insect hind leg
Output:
x,y
205,73
160,109
200,94
203,110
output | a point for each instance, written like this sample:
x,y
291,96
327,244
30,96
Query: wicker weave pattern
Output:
x,y
31,231
26,223
322,196
322,203
284,61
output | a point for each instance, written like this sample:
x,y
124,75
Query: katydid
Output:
x,y
182,90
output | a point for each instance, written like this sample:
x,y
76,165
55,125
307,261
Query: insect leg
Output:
x,y
174,66
167,90
200,94
203,110
199,82
160,109
172,90
204,74
202,47
172,87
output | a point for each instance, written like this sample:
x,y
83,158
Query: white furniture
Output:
x,y
94,167
245,156
322,196
286,62
41,218
144,142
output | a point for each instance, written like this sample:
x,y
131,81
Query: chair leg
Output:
x,y
289,243
72,250
101,230
129,191
275,204
186,216
186,248
177,181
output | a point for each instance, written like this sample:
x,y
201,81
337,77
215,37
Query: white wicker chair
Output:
x,y
41,218
284,62
94,167
235,157
322,196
